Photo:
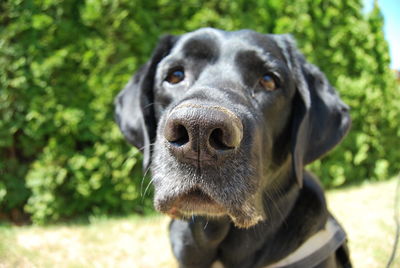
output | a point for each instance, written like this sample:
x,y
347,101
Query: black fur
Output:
x,y
242,197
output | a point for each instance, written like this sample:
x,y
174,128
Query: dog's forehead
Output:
x,y
214,42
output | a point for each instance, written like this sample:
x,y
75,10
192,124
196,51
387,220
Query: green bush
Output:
x,y
369,151
61,154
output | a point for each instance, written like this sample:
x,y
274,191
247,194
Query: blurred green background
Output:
x,y
63,61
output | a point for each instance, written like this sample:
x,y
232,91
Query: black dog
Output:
x,y
228,121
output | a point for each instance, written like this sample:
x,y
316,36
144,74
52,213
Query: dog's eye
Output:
x,y
268,82
175,76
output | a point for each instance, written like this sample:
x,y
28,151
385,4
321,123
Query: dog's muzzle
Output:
x,y
199,168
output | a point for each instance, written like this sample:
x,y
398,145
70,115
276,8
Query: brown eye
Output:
x,y
175,76
268,82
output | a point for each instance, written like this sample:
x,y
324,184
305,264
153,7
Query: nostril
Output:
x,y
177,135
182,136
216,140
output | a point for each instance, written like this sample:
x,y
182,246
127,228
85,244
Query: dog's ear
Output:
x,y
134,110
319,118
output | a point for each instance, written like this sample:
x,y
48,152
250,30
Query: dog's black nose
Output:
x,y
202,133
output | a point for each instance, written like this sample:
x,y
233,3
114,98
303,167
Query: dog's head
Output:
x,y
221,116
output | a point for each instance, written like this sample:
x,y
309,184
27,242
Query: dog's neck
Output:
x,y
279,196
279,193
293,215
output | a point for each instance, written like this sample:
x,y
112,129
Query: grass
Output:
x,y
365,211
367,214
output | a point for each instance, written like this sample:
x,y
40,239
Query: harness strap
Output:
x,y
315,249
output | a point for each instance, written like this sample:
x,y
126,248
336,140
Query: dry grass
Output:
x,y
366,213
103,243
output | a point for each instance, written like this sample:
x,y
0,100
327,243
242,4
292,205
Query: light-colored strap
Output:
x,y
315,249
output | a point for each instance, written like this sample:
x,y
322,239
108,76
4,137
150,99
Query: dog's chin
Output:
x,y
197,203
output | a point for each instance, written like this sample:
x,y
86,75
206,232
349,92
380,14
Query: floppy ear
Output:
x,y
320,118
134,104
